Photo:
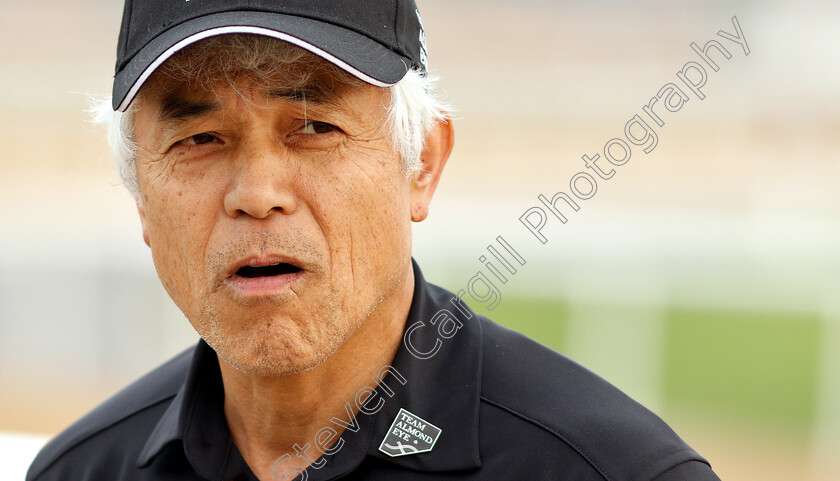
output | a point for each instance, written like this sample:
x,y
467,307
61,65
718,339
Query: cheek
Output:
x,y
363,211
179,226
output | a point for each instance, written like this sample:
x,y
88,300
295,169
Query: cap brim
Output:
x,y
355,53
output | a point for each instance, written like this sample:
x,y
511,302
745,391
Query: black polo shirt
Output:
x,y
478,401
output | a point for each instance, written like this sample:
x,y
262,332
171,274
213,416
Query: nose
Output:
x,y
261,181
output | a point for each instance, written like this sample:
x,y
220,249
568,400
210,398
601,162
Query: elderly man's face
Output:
x,y
276,225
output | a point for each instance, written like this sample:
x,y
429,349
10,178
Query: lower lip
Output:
x,y
263,286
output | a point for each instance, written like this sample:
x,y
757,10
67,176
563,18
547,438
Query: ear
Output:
x,y
142,212
439,142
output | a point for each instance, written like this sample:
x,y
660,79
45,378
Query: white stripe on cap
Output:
x,y
243,29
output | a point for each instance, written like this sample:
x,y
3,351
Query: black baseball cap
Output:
x,y
378,41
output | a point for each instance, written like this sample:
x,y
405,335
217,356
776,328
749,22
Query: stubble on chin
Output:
x,y
268,345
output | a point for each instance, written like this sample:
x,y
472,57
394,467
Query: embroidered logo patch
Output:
x,y
409,434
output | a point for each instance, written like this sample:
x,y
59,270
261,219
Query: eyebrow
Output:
x,y
175,108
312,92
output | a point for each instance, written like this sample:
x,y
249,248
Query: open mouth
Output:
x,y
278,269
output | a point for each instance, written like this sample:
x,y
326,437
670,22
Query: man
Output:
x,y
278,152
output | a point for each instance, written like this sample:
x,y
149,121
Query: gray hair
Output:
x,y
413,111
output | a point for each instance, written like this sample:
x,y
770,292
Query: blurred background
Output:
x,y
702,278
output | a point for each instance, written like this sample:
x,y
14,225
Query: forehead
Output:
x,y
173,99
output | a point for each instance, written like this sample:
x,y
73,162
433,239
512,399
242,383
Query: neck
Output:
x,y
270,416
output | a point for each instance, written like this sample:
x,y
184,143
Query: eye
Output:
x,y
317,128
199,139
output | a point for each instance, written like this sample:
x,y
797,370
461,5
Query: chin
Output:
x,y
271,349
272,362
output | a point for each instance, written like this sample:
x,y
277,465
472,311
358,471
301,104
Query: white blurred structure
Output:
x,y
17,451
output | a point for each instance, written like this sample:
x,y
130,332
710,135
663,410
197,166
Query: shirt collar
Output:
x,y
196,418
442,387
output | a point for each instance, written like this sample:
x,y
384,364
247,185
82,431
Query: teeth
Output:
x,y
255,263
